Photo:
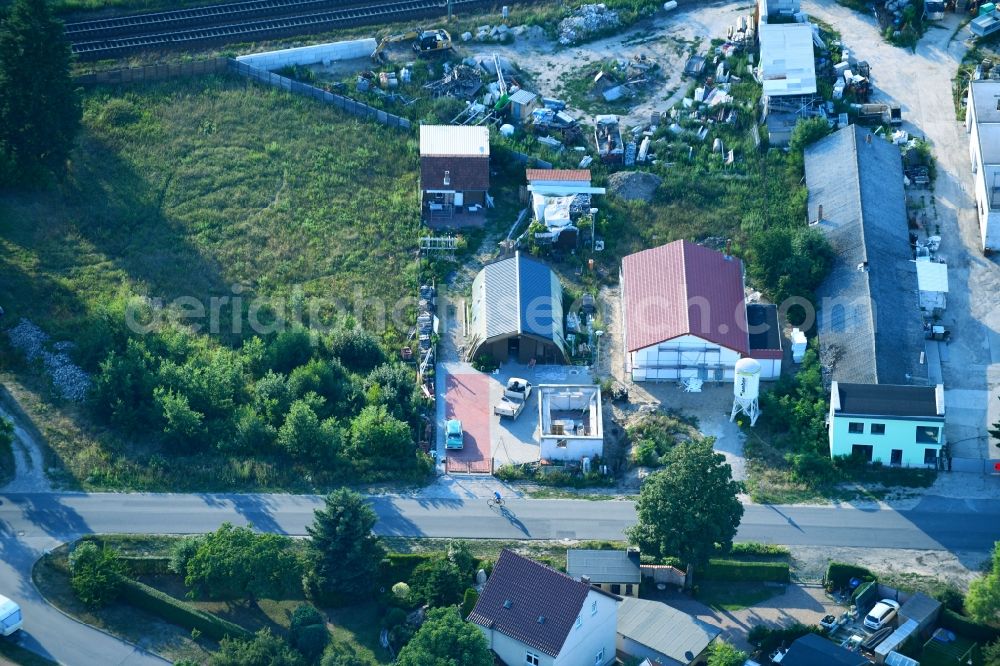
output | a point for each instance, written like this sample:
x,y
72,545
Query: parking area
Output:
x,y
467,399
492,441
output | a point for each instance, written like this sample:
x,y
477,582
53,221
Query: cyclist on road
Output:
x,y
496,496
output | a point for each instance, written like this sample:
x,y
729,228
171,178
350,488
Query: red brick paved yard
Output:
x,y
467,398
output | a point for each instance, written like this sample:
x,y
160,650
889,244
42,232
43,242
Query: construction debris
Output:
x,y
608,136
586,21
633,185
462,82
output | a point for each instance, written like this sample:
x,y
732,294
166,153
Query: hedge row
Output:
x,y
398,567
838,574
146,565
760,549
981,633
733,570
176,611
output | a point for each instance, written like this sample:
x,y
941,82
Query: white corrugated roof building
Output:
x,y
787,65
454,141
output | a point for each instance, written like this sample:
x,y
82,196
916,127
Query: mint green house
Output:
x,y
887,423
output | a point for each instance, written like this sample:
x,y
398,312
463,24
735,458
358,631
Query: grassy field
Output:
x,y
183,190
726,596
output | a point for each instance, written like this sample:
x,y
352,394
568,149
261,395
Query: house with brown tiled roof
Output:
x,y
685,316
533,615
454,171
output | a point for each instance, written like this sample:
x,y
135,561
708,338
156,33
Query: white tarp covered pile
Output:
x,y
552,211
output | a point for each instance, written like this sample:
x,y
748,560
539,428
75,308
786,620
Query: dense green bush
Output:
x,y
734,570
178,612
839,574
469,600
96,573
968,627
760,549
653,436
262,649
145,565
236,563
438,582
398,567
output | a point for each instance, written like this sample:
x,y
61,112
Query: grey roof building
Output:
x,y
869,324
810,650
605,567
517,312
653,630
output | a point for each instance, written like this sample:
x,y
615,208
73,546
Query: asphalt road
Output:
x,y
30,523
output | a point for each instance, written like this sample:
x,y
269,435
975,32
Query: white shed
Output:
x,y
932,281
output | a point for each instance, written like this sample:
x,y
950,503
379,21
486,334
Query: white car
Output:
x,y
10,616
882,614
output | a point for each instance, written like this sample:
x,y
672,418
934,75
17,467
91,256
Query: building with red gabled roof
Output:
x,y
685,315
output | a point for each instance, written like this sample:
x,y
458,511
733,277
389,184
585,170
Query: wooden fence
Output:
x,y
347,104
154,73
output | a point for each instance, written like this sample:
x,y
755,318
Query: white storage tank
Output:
x,y
746,388
799,344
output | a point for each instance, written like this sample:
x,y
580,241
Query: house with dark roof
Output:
x,y
685,315
658,632
533,615
887,423
811,650
982,122
454,171
868,321
516,312
614,571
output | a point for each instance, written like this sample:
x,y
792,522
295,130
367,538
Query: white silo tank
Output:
x,y
747,384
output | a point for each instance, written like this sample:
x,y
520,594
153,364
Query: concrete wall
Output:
x,y
687,350
310,55
661,573
576,447
900,434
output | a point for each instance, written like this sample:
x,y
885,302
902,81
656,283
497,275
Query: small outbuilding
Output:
x,y
811,649
522,104
932,281
570,420
516,313
614,571
658,632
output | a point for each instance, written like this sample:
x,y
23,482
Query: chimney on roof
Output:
x,y
729,249
585,579
819,213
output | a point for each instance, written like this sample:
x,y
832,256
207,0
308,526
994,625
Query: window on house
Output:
x,y
579,621
616,588
561,443
928,434
628,590
930,456
878,428
862,451
593,608
531,659
599,658
856,428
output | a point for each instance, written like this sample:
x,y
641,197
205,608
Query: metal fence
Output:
x,y
347,104
154,73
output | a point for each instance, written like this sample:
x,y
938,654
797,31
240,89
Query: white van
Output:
x,y
10,616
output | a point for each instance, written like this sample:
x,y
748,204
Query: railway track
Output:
x,y
115,37
197,16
